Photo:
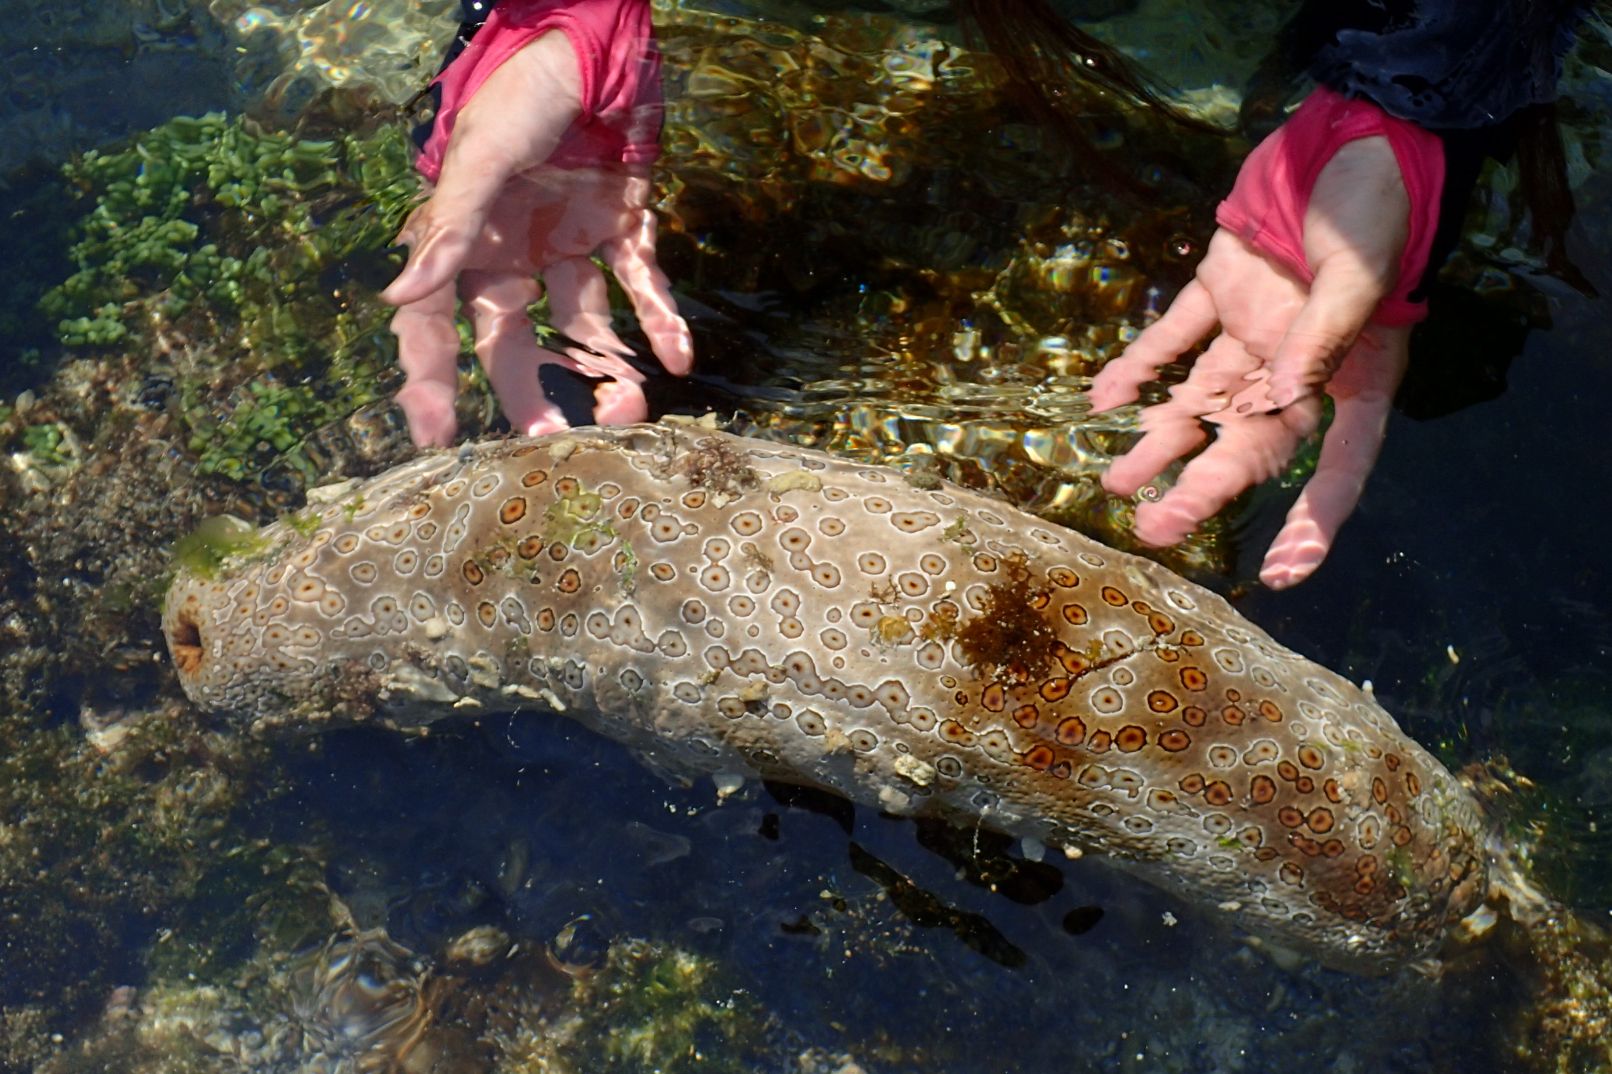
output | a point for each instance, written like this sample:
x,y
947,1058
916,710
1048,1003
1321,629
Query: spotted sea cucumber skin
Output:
x,y
729,605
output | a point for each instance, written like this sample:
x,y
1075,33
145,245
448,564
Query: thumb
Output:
x,y
1342,299
1355,229
514,123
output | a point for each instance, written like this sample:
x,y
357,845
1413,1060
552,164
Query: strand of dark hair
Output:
x,y
1052,68
1046,56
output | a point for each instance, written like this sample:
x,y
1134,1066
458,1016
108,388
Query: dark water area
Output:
x,y
1483,532
217,893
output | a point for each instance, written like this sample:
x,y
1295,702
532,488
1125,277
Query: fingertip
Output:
x,y
619,402
1105,398
1283,577
1163,524
428,410
543,426
1287,384
433,264
530,412
1282,398
1298,550
679,359
406,287
1150,456
1121,479
1112,387
677,355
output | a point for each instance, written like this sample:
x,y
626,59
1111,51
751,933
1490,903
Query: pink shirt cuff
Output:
x,y
1267,204
616,57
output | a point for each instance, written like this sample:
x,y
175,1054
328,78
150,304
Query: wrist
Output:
x,y
1268,203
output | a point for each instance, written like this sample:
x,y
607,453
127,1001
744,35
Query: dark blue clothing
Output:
x,y
1442,64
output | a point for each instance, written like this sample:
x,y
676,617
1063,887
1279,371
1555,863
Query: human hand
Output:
x,y
534,179
1293,322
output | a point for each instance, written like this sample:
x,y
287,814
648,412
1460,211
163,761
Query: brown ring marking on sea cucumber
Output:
x,y
1174,740
513,510
1071,731
1162,701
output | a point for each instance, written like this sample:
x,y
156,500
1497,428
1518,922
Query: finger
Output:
x,y
1248,449
631,257
1174,427
508,349
428,353
1363,393
620,402
435,257
579,307
1172,433
1190,318
1348,452
513,123
1342,299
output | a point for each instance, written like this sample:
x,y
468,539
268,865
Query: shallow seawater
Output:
x,y
861,228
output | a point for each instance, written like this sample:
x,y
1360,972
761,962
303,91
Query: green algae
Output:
x,y
249,257
104,840
574,520
209,210
214,541
267,420
46,442
305,523
578,521
666,1009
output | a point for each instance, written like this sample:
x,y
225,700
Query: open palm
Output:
x,y
1281,342
499,218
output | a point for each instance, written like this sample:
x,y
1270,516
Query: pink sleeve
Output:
x,y
1267,203
616,57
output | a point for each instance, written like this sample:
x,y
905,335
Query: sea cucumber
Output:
x,y
728,605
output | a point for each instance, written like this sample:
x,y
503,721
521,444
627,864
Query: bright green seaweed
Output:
x,y
244,255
